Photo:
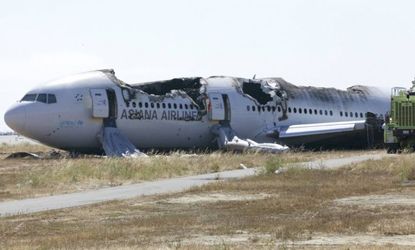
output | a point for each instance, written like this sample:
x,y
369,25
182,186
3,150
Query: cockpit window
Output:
x,y
44,98
51,98
41,98
29,98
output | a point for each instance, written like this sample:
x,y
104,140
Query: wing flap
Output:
x,y
317,129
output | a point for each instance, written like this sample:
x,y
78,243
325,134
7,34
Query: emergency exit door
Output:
x,y
219,107
100,104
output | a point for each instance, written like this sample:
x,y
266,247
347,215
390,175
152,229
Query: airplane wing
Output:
x,y
315,129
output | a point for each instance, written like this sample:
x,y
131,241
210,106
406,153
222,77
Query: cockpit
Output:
x,y
43,97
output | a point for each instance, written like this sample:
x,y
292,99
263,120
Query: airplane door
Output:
x,y
100,105
219,107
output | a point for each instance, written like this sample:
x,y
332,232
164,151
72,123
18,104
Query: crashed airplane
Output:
x,y
95,112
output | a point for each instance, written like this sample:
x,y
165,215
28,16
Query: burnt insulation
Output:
x,y
191,86
253,88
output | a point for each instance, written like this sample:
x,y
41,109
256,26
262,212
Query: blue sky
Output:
x,y
335,43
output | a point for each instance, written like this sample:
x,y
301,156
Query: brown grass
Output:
x,y
20,178
299,205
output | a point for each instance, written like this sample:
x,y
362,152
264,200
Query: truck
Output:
x,y
399,127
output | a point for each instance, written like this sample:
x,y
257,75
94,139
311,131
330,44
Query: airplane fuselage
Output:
x,y
179,113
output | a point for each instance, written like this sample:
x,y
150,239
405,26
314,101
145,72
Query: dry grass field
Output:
x,y
364,206
23,178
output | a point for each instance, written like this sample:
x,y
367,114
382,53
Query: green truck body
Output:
x,y
399,130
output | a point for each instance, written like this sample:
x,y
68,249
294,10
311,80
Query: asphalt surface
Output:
x,y
174,185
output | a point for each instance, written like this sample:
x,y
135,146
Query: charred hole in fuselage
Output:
x,y
254,89
190,86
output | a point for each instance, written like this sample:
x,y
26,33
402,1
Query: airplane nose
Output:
x,y
15,118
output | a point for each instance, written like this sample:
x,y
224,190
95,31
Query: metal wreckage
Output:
x,y
269,94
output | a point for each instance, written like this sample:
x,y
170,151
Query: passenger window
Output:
x,y
274,108
289,110
29,98
305,111
279,109
41,98
351,114
315,111
269,108
346,114
191,106
300,110
247,108
174,105
295,110
310,111
253,108
321,112
186,107
140,105
152,105
259,108
356,114
134,104
361,115
341,113
331,112
158,105
51,98
163,105
146,104
263,108
180,106
169,105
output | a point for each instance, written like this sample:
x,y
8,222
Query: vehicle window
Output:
x,y
180,106
134,104
186,107
310,111
356,115
253,108
305,111
140,105
29,98
289,110
269,108
169,105
247,108
331,112
146,104
315,111
274,108
279,109
152,104
325,112
51,98
351,114
321,112
295,110
361,115
341,113
175,105
163,105
158,105
41,98
300,110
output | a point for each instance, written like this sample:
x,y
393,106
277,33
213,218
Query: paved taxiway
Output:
x,y
25,206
